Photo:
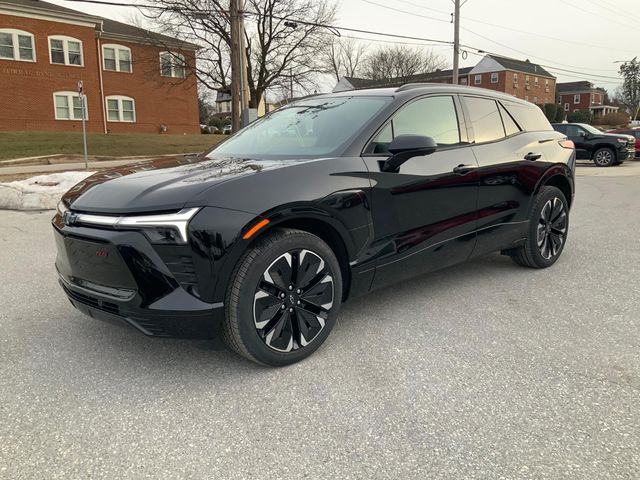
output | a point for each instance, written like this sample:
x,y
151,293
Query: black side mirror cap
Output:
x,y
404,147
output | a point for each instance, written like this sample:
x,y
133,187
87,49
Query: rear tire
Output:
x,y
604,157
283,298
548,228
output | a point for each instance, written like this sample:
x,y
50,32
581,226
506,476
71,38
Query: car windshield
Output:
x,y
590,129
309,128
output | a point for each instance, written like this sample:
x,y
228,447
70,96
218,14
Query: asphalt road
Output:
x,y
486,370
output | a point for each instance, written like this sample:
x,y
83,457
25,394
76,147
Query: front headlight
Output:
x,y
163,228
622,140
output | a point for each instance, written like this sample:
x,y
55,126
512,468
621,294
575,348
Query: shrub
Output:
x,y
616,118
560,115
581,116
215,122
550,110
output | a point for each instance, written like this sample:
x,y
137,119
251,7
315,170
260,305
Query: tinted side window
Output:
x,y
574,131
529,117
510,126
485,119
432,117
560,128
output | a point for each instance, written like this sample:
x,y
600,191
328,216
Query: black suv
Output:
x,y
325,199
603,149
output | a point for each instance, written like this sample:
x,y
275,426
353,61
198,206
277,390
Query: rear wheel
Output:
x,y
283,299
604,157
548,228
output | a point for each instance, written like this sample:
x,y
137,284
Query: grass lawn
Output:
x,y
32,144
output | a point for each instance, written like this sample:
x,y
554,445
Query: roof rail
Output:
x,y
410,86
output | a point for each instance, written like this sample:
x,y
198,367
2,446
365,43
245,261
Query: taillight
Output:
x,y
567,144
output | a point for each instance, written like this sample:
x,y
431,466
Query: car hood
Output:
x,y
159,185
613,136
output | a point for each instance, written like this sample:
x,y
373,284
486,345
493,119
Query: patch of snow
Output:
x,y
41,192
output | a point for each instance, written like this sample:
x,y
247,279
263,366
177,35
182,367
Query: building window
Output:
x,y
477,80
116,58
526,97
65,51
68,106
526,79
494,77
172,65
566,107
463,81
593,98
576,98
546,82
16,45
515,78
535,81
121,109
535,100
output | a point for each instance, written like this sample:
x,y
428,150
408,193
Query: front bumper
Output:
x,y
119,276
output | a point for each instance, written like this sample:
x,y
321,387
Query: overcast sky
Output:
x,y
584,36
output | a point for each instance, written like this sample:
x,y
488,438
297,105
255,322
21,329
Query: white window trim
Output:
x,y
494,77
117,49
120,98
576,98
477,79
70,96
174,56
566,107
14,32
65,48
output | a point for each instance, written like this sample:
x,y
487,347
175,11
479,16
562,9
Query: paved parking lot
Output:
x,y
485,370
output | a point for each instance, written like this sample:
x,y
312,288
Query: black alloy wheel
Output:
x,y
292,300
552,228
548,229
284,298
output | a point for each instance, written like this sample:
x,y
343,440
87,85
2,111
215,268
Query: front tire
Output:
x,y
548,228
604,157
283,299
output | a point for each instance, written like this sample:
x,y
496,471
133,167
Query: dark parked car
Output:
x,y
603,149
325,199
634,132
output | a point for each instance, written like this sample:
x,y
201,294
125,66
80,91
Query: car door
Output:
x,y
424,214
579,137
511,161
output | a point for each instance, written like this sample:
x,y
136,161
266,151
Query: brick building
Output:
x,y
134,80
519,78
575,96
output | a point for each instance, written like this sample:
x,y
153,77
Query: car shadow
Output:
x,y
116,342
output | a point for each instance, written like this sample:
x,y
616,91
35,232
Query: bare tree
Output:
x,y
401,62
281,50
343,57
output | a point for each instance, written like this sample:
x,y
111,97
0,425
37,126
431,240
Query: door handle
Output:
x,y
463,169
532,156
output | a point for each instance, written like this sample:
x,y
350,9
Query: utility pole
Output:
x,y
236,64
456,40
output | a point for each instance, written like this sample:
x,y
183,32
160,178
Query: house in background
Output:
x,y
134,80
223,105
522,79
439,76
583,95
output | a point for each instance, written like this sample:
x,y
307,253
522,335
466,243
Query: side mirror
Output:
x,y
404,147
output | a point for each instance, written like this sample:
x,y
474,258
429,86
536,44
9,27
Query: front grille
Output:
x,y
94,302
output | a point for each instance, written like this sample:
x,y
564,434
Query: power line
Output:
x,y
520,31
533,56
599,15
370,32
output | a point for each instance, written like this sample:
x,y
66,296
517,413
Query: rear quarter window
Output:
x,y
529,117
